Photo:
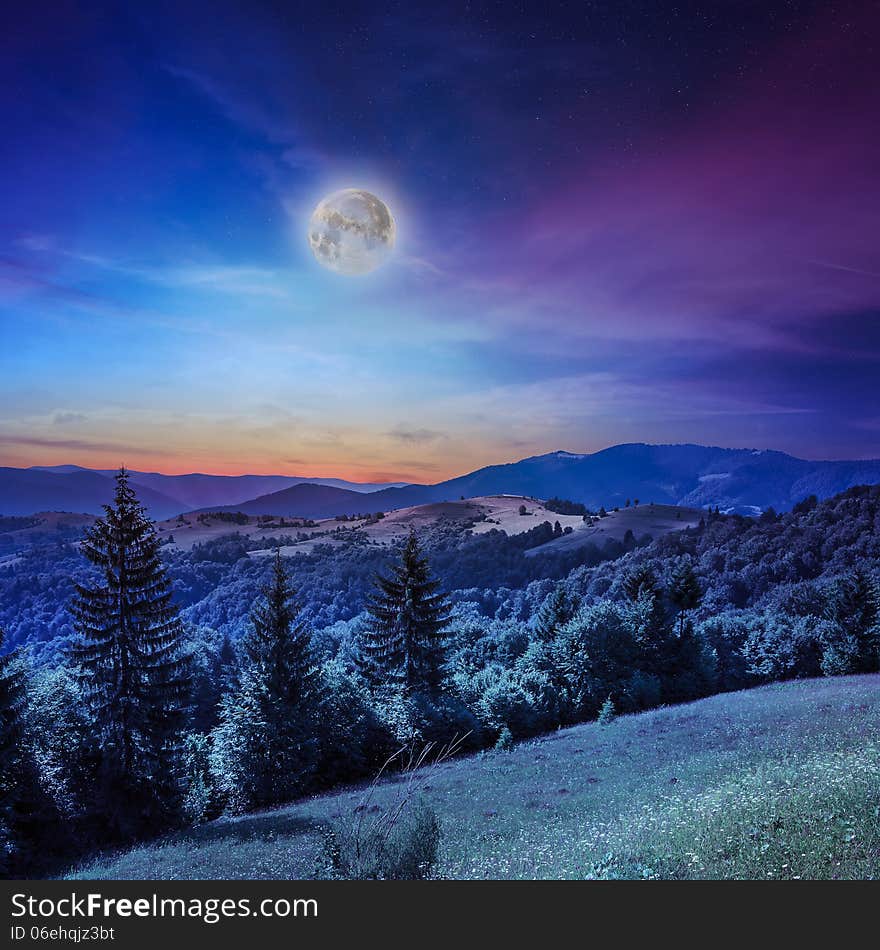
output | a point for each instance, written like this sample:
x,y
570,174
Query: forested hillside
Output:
x,y
463,635
747,567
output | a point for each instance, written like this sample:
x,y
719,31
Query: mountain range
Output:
x,y
73,488
741,480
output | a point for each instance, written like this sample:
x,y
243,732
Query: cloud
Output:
x,y
18,279
267,112
416,436
244,111
303,157
421,265
418,465
846,269
68,418
36,242
236,279
738,226
75,445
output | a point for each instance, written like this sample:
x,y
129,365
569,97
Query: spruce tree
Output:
x,y
12,758
12,696
859,604
29,831
608,713
641,580
652,627
404,643
691,666
854,610
265,744
227,665
651,624
214,675
131,665
555,612
685,593
277,643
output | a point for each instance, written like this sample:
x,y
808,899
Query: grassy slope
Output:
x,y
777,782
654,520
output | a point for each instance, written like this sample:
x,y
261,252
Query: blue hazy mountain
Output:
x,y
741,480
24,491
167,495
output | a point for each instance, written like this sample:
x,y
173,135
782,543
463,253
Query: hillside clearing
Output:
x,y
479,515
652,520
782,781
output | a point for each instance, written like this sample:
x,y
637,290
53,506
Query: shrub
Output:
x,y
504,702
200,802
392,848
782,647
562,506
595,654
430,718
607,714
505,740
644,690
352,738
399,840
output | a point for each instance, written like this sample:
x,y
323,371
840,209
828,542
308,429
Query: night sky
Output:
x,y
617,221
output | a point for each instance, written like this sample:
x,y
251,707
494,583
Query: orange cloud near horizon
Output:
x,y
29,452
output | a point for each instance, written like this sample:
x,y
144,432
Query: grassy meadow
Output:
x,y
777,782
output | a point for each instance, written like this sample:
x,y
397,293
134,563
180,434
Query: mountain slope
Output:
x,y
24,491
197,490
689,475
775,782
736,480
308,500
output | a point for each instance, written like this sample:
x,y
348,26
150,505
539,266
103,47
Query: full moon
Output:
x,y
352,231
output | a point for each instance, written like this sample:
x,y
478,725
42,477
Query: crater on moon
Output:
x,y
351,231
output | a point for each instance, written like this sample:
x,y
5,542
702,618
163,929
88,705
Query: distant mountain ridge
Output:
x,y
741,480
736,480
24,491
163,495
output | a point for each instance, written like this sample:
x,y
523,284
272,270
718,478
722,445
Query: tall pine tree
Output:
x,y
639,581
853,642
29,830
13,759
132,667
214,675
404,643
558,608
685,593
265,745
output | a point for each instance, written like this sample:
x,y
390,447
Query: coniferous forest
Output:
x,y
142,691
